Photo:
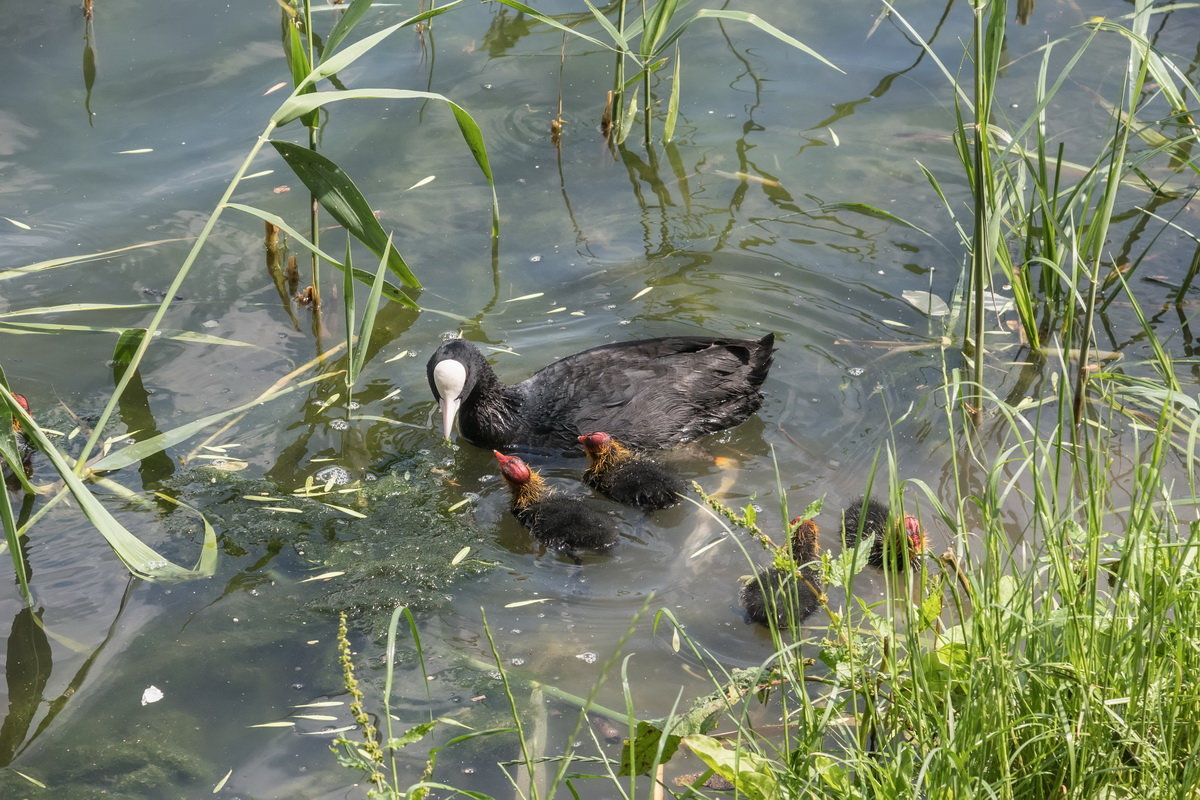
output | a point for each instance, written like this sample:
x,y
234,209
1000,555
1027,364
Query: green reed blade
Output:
x,y
134,453
338,195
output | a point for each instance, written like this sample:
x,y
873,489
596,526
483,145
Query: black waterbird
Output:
x,y
649,394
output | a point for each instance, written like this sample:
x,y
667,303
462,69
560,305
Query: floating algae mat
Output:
x,y
374,544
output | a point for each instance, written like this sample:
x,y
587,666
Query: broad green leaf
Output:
x,y
751,775
640,754
656,26
127,345
297,58
338,195
298,105
412,735
872,211
147,447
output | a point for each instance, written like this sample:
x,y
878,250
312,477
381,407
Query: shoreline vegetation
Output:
x,y
995,668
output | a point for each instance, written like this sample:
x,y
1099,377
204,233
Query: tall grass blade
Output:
x,y
350,308
335,63
762,25
346,22
134,453
12,539
55,327
86,258
368,321
298,105
391,292
137,556
553,23
673,103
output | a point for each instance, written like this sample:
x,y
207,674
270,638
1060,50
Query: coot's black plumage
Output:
x,y
793,594
558,521
649,394
24,448
627,476
895,543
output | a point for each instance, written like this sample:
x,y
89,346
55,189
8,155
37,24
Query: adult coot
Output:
x,y
649,394
794,594
556,520
895,543
627,476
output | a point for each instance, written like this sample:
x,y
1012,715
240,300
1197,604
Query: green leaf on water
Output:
x,y
752,775
640,753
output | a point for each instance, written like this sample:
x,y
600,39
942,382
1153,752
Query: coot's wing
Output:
x,y
651,393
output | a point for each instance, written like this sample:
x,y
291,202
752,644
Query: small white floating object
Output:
x,y
931,304
152,695
421,183
138,151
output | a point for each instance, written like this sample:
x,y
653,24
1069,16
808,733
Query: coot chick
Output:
x,y
903,540
628,477
558,521
794,594
649,394
24,447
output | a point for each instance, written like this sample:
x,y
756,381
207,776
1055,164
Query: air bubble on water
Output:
x,y
534,259
516,662
339,476
354,405
587,657
339,424
623,322
855,372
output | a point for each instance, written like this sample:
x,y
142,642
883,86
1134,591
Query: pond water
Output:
x,y
731,230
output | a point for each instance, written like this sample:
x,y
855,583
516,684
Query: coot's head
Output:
x,y
23,403
513,469
452,373
596,444
915,534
